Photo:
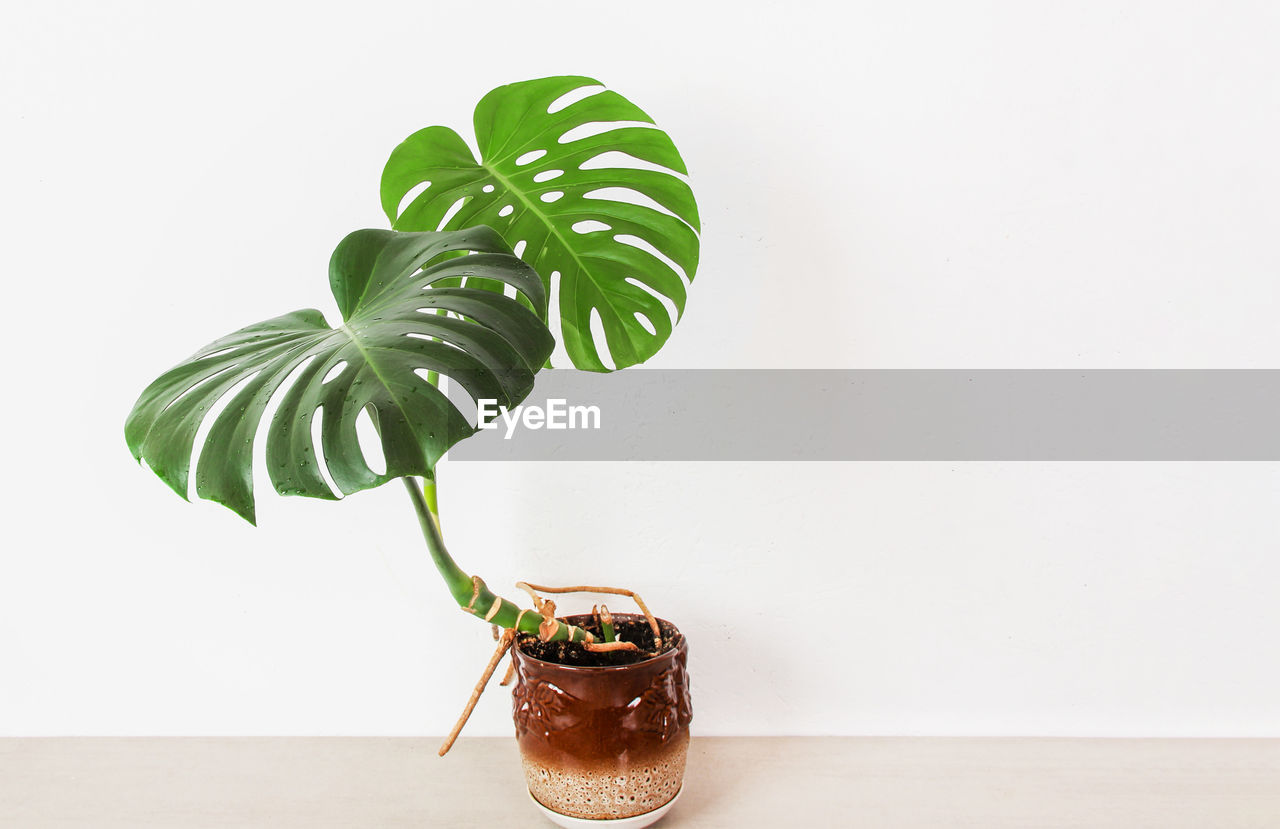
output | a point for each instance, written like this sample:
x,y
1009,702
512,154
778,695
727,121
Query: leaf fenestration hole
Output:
x,y
415,335
317,452
261,471
618,160
519,247
450,213
208,417
506,211
597,127
590,226
645,323
628,196
649,248
530,157
554,195
600,341
409,197
673,313
335,371
488,188
370,444
547,175
456,392
559,354
194,387
572,97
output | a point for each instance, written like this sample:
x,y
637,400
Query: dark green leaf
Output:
x,y
393,290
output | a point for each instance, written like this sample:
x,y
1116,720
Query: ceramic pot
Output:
x,y
604,744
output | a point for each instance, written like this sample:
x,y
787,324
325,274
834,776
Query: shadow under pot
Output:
x,y
603,743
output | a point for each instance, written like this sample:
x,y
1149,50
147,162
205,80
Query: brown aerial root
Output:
x,y
504,644
538,601
616,591
600,647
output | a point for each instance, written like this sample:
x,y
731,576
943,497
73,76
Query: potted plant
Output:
x,y
575,196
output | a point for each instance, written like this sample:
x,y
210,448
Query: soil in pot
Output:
x,y
628,629
603,735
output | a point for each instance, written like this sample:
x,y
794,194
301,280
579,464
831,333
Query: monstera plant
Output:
x,y
576,214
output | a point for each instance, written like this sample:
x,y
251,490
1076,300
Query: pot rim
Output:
x,y
670,653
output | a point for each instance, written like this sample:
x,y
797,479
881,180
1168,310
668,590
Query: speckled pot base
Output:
x,y
609,792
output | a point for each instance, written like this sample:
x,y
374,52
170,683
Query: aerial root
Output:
x,y
504,644
538,601
601,647
616,591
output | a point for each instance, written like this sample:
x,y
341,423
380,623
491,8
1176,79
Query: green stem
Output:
x,y
471,594
458,582
429,494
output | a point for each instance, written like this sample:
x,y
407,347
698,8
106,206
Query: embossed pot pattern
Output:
x,y
607,742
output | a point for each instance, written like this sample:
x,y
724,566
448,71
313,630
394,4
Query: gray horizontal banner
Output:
x,y
887,415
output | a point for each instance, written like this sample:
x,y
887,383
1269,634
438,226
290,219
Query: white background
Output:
x,y
882,185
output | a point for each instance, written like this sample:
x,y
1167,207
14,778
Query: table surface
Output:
x,y
286,782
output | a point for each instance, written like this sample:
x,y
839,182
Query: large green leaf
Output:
x,y
393,290
539,201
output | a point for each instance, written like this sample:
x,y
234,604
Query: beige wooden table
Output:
x,y
281,783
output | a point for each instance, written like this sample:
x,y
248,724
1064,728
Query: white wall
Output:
x,y
882,185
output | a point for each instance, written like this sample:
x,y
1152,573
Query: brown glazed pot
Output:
x,y
604,743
